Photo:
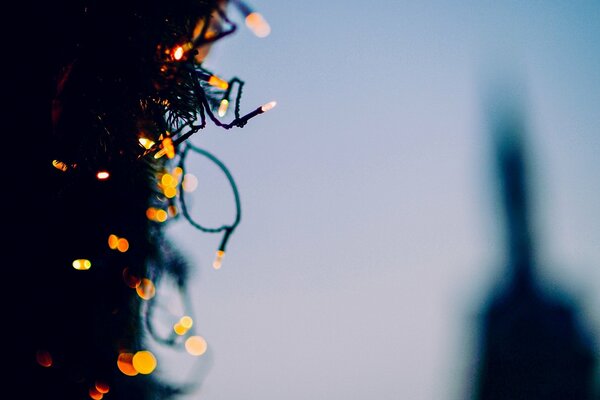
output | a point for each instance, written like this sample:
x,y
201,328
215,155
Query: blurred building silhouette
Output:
x,y
532,343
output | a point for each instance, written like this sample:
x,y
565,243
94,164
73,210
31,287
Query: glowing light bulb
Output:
x,y
178,53
269,106
102,387
180,329
146,289
59,165
151,213
103,175
122,245
168,180
82,264
190,183
218,82
113,241
223,106
186,322
95,394
258,25
146,143
218,259
196,345
43,358
170,192
161,215
125,364
144,362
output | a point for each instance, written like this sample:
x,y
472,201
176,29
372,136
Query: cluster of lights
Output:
x,y
98,390
117,243
142,362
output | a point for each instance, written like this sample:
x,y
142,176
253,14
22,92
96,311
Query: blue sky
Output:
x,y
370,233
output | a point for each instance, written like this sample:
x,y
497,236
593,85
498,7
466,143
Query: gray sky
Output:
x,y
370,231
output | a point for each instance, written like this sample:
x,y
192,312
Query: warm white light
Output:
x,y
178,53
102,175
146,143
82,264
196,345
269,106
223,106
218,259
258,25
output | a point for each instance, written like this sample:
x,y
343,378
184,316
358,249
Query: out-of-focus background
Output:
x,y
372,229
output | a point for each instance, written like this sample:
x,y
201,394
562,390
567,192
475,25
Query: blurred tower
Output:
x,y
531,345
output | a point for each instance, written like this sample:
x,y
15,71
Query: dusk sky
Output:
x,y
371,230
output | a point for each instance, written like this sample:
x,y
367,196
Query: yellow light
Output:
x,y
146,143
177,171
82,264
269,106
196,345
102,387
186,322
170,192
146,289
59,165
125,364
131,280
122,245
218,82
178,53
144,362
180,329
168,146
258,25
190,183
43,358
168,180
161,215
113,241
102,175
223,106
218,259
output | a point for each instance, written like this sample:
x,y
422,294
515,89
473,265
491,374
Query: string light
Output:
x,y
95,394
258,24
59,165
196,345
102,175
190,182
212,80
125,364
102,387
144,362
82,264
146,289
223,106
146,143
218,259
182,124
254,21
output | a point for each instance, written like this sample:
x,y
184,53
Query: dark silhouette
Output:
x,y
532,343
